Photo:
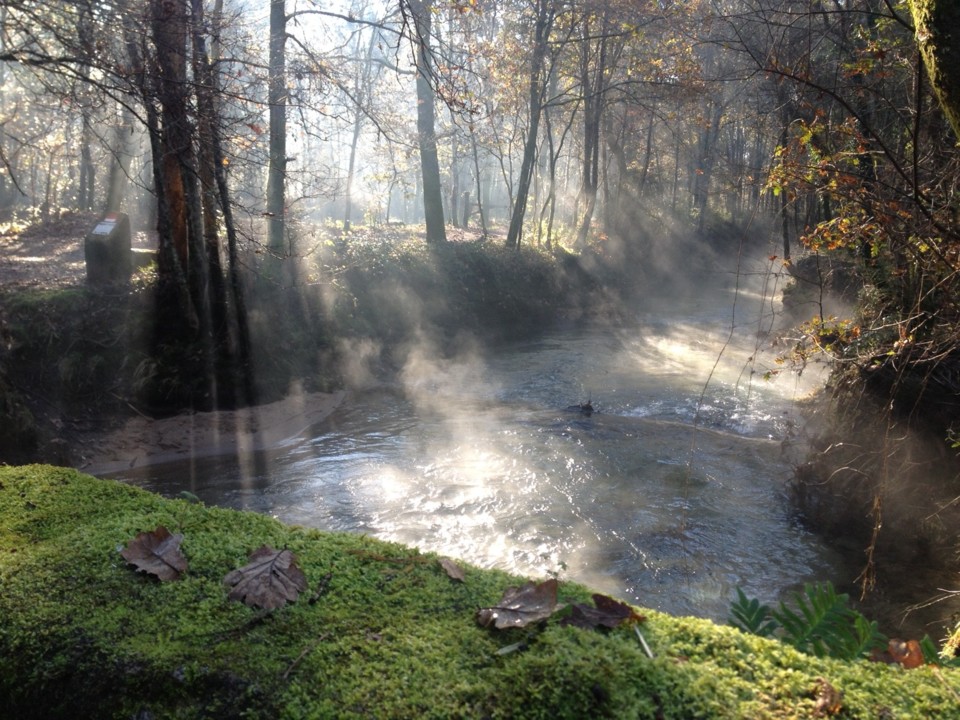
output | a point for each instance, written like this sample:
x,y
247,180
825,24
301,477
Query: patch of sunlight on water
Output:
x,y
480,458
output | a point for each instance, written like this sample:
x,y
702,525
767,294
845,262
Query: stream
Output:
x,y
670,495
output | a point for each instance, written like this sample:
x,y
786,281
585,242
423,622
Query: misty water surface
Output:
x,y
671,495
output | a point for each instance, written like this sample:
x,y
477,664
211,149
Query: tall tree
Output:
x,y
545,14
277,100
361,88
937,25
421,12
599,48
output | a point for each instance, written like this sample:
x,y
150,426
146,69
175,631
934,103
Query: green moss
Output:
x,y
382,632
937,23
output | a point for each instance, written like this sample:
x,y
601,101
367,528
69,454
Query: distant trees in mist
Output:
x,y
226,125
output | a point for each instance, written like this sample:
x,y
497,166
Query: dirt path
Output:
x,y
50,255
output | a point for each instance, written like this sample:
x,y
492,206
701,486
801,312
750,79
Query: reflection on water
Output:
x,y
671,495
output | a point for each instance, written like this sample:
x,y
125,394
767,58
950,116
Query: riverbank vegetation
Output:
x,y
375,630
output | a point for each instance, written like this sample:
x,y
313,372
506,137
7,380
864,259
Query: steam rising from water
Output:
x,y
669,496
635,499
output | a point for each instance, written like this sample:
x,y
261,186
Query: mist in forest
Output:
x,y
328,194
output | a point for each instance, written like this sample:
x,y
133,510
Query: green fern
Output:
x,y
821,624
752,617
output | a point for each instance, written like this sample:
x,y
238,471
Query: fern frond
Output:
x,y
821,623
824,625
822,614
750,616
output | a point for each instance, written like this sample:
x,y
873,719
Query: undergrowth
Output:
x,y
821,622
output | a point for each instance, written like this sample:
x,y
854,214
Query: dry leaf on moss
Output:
x,y
453,571
906,652
521,606
157,553
269,580
608,613
829,699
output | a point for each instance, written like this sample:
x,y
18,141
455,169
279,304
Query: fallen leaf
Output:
x,y
906,652
157,553
454,571
269,580
608,613
521,606
829,699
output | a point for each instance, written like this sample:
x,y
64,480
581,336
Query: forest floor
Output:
x,y
49,255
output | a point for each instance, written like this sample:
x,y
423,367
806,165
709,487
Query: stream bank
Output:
x,y
881,479
382,631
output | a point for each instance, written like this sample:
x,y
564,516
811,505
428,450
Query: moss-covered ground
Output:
x,y
381,632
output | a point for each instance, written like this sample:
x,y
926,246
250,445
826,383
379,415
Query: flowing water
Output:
x,y
670,495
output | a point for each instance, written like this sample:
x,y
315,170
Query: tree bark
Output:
x,y
937,24
426,132
170,38
541,36
277,99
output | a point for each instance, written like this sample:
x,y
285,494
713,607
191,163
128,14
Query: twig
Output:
x,y
939,676
322,588
130,405
306,651
643,642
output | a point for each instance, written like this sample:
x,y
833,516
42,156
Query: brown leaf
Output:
x,y
906,652
454,571
608,613
157,553
521,606
829,699
269,580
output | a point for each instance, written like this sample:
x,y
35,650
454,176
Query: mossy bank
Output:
x,y
381,632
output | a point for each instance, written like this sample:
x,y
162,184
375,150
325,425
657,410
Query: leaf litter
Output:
x,y
521,606
157,553
269,580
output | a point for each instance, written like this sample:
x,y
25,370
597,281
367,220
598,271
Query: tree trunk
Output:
x,y
704,170
937,24
120,167
426,133
360,89
277,99
784,220
479,178
593,99
244,366
208,116
170,38
85,194
541,36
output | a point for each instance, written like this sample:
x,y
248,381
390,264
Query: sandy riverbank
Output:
x,y
145,441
